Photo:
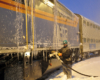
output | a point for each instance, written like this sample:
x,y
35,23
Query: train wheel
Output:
x,y
14,72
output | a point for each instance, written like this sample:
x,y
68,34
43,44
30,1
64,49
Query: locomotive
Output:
x,y
31,29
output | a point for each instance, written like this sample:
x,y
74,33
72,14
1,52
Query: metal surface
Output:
x,y
38,27
89,34
43,28
12,51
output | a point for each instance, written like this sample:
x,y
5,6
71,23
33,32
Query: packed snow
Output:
x,y
90,67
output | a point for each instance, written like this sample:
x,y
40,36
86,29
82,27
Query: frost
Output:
x,y
89,67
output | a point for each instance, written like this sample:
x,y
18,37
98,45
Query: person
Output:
x,y
66,57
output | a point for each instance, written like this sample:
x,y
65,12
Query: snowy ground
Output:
x,y
90,67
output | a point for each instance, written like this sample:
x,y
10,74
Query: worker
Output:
x,y
65,55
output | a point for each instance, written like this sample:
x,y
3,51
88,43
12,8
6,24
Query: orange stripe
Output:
x,y
42,14
44,17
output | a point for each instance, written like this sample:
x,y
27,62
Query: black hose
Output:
x,y
72,68
78,72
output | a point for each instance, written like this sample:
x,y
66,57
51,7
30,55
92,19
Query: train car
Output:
x,y
29,31
89,36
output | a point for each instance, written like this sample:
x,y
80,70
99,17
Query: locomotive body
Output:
x,y
30,30
46,28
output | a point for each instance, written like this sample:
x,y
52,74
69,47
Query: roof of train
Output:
x,y
66,8
89,20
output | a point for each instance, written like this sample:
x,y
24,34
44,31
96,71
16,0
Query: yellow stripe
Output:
x,y
38,13
26,26
44,13
32,22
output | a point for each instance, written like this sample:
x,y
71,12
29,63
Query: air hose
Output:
x,y
56,54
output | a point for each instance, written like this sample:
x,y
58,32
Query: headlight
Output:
x,y
27,53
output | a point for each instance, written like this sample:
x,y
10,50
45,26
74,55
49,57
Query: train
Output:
x,y
89,36
31,29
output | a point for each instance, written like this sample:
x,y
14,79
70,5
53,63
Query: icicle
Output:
x,y
32,18
26,24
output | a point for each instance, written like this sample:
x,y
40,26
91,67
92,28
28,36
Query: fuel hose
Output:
x,y
56,54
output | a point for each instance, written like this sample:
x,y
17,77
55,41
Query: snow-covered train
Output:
x,y
31,29
89,36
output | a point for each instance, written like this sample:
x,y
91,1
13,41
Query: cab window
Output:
x,y
41,5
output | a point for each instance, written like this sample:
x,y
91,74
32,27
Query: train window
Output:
x,y
93,26
96,27
51,1
60,28
88,40
87,23
99,28
84,23
60,35
43,5
65,31
94,40
91,40
84,39
98,41
61,7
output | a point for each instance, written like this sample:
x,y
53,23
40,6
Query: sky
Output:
x,y
87,8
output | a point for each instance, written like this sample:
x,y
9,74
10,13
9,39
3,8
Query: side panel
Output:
x,y
89,35
70,34
12,26
13,29
44,33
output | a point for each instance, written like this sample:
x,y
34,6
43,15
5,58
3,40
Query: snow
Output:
x,y
90,67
